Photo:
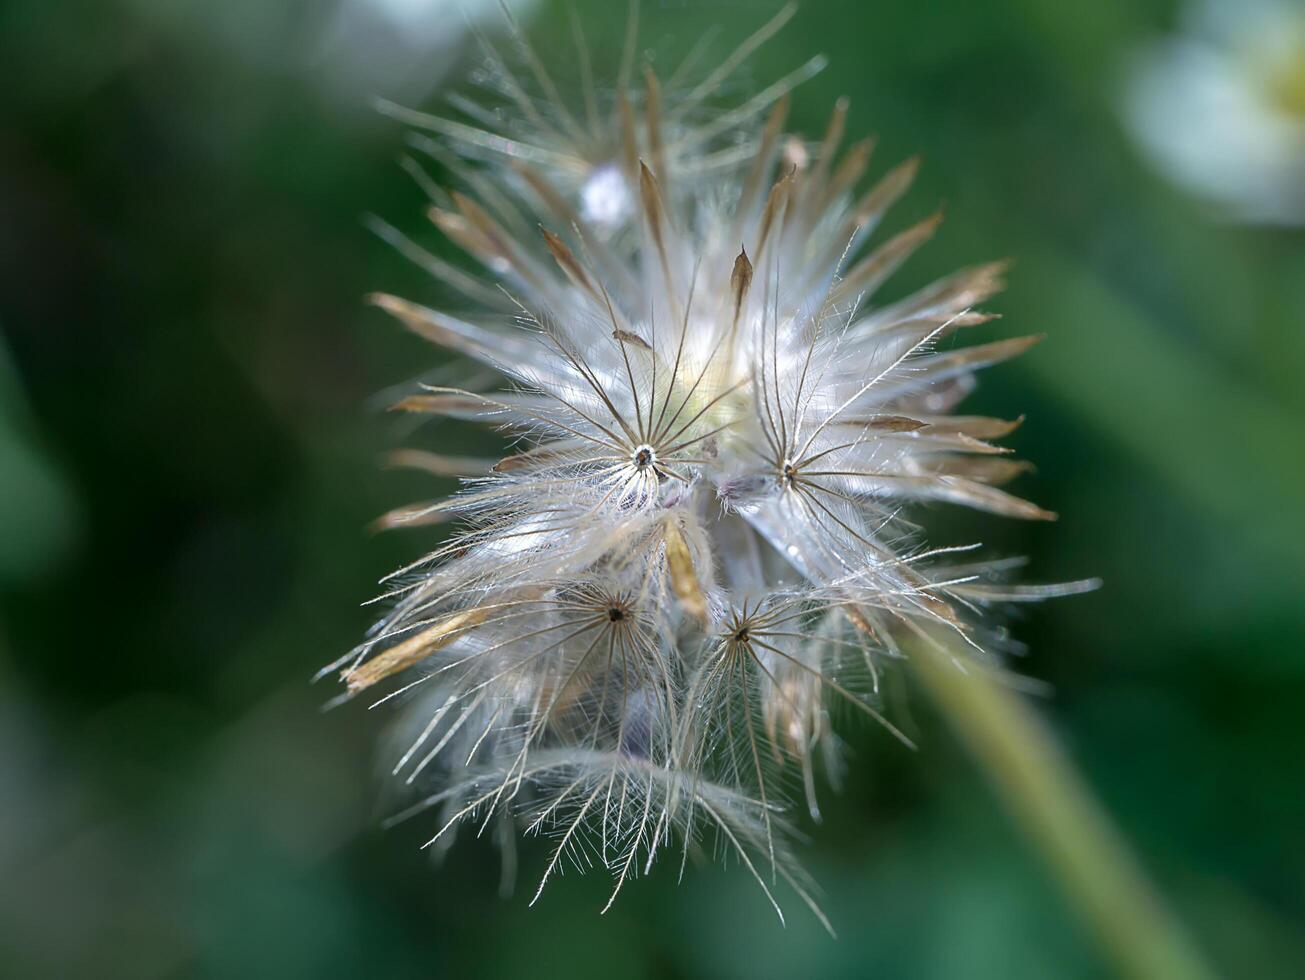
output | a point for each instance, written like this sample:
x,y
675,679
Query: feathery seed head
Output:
x,y
700,541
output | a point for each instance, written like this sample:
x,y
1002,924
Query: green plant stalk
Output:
x,y
1047,797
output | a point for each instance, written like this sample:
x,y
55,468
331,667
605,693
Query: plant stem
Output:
x,y
1047,797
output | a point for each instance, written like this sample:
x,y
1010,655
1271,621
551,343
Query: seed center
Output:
x,y
644,457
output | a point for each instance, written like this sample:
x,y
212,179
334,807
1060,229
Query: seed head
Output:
x,y
702,538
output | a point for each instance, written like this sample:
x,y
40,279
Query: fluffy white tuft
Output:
x,y
701,543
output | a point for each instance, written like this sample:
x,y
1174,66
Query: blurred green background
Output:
x,y
190,395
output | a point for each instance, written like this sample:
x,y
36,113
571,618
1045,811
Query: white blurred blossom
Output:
x,y
1220,106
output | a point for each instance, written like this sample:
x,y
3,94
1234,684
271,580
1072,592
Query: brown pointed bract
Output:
x,y
684,579
413,650
740,281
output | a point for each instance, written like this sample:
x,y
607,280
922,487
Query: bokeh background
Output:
x,y
191,397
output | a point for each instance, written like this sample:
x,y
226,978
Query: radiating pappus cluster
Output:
x,y
697,549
